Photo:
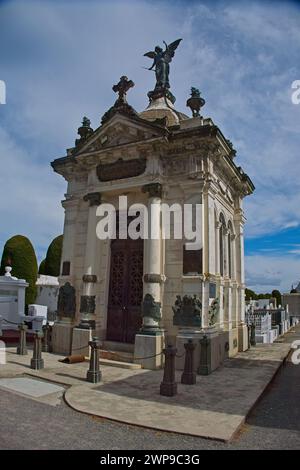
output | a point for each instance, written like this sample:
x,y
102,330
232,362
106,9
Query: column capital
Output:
x,y
94,199
153,189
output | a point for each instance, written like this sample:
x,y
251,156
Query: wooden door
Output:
x,y
125,290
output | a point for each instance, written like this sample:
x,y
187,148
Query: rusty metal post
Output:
x,y
249,336
22,348
37,362
168,386
252,335
46,339
188,376
205,356
94,374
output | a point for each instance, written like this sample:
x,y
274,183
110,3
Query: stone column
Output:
x,y
217,248
226,253
240,275
87,300
152,264
71,207
228,305
206,257
221,298
234,305
150,341
82,334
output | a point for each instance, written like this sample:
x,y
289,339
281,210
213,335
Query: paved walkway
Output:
x,y
215,407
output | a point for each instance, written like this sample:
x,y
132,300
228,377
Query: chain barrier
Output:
x,y
120,356
82,347
11,322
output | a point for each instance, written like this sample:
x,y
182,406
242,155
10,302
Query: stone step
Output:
x,y
117,346
119,356
121,364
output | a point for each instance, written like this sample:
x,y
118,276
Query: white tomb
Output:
x,y
12,299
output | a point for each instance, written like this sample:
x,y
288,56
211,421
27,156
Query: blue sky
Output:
x,y
59,60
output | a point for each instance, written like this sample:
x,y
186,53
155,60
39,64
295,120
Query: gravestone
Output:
x,y
63,328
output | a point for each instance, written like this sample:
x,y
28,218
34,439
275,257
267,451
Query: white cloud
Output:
x,y
267,272
61,60
30,197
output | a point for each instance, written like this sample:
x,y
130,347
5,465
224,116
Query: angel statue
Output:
x,y
161,60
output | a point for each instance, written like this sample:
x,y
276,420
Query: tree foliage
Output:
x,y
53,257
19,253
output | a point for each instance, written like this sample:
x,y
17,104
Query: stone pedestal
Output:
x,y
233,341
62,333
181,339
149,345
161,108
214,349
12,299
243,338
81,338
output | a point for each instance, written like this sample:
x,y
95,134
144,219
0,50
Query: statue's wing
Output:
x,y
150,54
170,50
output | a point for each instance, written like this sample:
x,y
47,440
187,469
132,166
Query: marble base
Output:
x,y
233,342
62,338
81,337
243,339
148,345
215,352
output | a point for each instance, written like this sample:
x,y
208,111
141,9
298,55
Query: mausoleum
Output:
x,y
135,294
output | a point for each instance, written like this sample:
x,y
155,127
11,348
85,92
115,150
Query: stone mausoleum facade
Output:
x,y
127,291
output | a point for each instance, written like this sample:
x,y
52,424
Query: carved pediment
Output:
x,y
120,131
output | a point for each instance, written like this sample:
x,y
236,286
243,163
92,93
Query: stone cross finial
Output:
x,y
122,87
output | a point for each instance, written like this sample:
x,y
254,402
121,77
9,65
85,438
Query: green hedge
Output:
x,y
42,267
53,257
21,254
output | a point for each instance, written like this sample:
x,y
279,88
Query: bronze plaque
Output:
x,y
121,169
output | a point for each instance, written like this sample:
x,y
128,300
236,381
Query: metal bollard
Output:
x,y
249,336
205,356
168,386
188,376
94,374
46,339
252,334
22,348
37,362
